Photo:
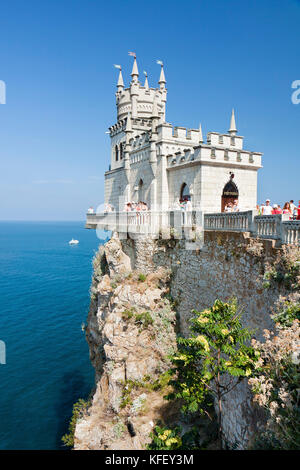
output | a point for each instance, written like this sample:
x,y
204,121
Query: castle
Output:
x,y
152,161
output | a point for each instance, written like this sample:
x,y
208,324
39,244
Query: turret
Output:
x,y
134,87
162,80
135,72
120,84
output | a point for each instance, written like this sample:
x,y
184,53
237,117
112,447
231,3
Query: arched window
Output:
x,y
121,150
185,192
116,153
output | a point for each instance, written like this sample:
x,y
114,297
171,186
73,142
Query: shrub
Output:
x,y
142,277
143,319
80,408
276,388
213,360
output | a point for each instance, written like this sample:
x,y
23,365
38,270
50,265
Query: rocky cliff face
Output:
x,y
130,332
132,323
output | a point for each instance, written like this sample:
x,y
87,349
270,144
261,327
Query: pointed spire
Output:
x,y
120,83
162,79
233,129
200,134
146,81
128,123
135,72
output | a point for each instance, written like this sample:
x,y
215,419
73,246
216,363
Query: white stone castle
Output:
x,y
154,162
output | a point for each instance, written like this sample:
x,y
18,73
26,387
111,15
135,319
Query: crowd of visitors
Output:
x,y
136,206
185,204
289,208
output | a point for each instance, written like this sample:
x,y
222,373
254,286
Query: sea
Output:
x,y
44,301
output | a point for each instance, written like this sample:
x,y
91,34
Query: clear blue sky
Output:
x,y
57,56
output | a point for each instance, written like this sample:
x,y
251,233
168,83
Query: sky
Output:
x,y
56,60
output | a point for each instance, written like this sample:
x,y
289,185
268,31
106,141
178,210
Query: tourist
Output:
x,y
286,209
298,211
292,206
188,205
235,207
90,210
276,210
228,207
127,207
295,212
108,208
267,208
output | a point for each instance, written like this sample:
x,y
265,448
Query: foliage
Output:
x,y
127,314
119,429
80,408
142,277
165,439
146,383
213,360
143,319
285,270
276,388
288,312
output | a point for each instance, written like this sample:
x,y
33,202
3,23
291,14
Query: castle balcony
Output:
x,y
191,225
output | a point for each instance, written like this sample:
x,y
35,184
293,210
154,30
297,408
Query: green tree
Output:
x,y
211,362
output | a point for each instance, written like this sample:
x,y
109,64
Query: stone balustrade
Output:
x,y
234,221
274,227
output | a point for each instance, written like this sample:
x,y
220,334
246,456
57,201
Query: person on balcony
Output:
x,y
235,207
287,209
90,210
267,208
228,207
276,210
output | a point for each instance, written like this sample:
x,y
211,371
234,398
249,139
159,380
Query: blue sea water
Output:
x,y
44,299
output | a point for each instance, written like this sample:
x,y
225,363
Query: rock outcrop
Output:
x,y
130,332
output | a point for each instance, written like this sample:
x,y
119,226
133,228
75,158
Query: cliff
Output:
x,y
130,332
132,325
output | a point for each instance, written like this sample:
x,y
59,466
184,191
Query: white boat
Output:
x,y
73,242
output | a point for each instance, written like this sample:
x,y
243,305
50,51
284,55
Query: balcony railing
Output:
x,y
275,227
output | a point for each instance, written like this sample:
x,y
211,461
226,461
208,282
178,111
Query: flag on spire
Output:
x,y
118,66
133,54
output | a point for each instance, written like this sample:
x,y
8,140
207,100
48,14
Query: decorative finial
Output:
x,y
135,72
146,81
233,129
162,79
120,83
200,134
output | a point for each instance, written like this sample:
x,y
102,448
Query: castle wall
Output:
x,y
213,180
